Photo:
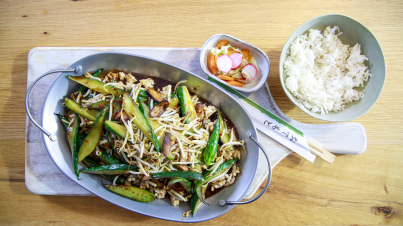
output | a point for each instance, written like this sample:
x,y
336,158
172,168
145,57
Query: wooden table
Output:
x,y
356,190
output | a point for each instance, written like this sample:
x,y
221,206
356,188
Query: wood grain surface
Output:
x,y
361,189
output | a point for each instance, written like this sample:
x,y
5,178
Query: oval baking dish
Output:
x,y
59,151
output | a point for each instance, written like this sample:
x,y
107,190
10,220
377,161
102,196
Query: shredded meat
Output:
x,y
159,193
147,83
174,201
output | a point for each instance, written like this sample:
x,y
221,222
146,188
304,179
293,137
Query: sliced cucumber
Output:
x,y
63,120
93,137
109,169
222,168
101,104
132,192
225,165
113,148
97,85
116,128
225,137
78,109
139,120
97,73
72,135
189,175
211,148
196,200
107,158
95,113
72,138
142,99
186,103
144,94
89,162
187,185
153,123
174,103
84,89
198,167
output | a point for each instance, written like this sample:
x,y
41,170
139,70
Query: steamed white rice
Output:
x,y
322,72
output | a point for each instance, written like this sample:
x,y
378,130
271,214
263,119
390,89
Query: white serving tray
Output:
x,y
42,177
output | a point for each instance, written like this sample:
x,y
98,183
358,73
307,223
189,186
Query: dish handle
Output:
x,y
76,70
223,202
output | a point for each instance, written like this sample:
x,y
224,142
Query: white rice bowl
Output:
x,y
351,33
323,73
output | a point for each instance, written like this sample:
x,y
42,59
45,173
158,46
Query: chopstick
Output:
x,y
320,152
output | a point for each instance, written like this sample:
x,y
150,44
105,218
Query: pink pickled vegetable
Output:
x,y
224,63
236,60
249,72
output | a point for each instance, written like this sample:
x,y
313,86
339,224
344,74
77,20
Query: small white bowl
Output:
x,y
261,59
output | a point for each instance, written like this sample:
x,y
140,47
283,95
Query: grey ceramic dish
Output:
x,y
58,149
353,32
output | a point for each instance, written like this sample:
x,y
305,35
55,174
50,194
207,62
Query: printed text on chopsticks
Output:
x,y
275,127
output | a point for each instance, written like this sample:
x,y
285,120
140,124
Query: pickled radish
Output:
x,y
249,72
232,65
236,60
224,63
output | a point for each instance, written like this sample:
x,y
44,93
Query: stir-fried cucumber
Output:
x,y
93,137
89,162
187,106
139,120
101,104
97,85
110,169
78,109
84,89
174,103
132,192
225,137
142,93
116,128
141,99
72,133
186,184
153,123
120,156
72,138
196,200
63,119
223,166
207,178
211,149
107,158
198,167
94,112
189,175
